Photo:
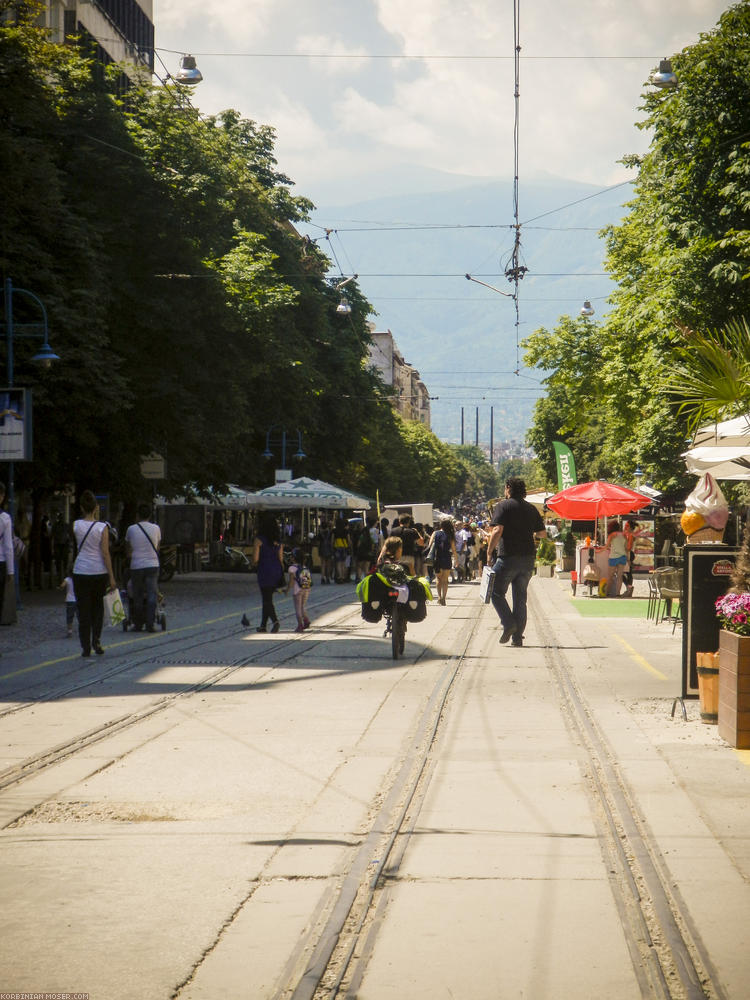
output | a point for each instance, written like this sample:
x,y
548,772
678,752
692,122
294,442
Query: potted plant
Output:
x,y
568,550
733,610
545,557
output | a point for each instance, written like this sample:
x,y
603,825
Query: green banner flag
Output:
x,y
566,467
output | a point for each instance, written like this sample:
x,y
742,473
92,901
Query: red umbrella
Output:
x,y
589,501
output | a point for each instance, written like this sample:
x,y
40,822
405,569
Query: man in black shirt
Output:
x,y
408,535
516,524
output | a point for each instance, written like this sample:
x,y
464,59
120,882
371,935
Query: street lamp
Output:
x,y
281,439
344,307
638,474
665,78
188,74
44,356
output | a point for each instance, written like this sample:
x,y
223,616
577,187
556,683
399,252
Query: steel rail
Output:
x,y
50,756
161,640
333,946
669,959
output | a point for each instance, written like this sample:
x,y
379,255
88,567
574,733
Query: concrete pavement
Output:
x,y
192,855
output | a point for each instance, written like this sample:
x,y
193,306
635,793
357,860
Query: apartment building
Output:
x,y
411,398
121,31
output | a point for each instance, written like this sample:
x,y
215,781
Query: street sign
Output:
x,y
153,466
705,577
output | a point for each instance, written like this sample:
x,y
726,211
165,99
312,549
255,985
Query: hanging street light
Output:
x,y
664,78
587,309
344,307
188,74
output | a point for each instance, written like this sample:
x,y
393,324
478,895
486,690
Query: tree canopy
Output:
x,y
627,391
190,317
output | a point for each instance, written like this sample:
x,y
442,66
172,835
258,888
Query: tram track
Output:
x,y
667,954
668,958
331,959
35,764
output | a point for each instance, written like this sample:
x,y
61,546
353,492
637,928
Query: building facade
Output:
x,y
120,31
411,398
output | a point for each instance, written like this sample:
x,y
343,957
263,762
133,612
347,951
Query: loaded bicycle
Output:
x,y
387,592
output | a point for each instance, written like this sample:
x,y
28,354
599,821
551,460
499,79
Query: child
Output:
x,y
300,582
71,607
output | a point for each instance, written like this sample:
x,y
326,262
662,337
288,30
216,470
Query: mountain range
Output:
x,y
414,237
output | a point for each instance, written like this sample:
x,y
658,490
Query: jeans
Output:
x,y
144,583
514,572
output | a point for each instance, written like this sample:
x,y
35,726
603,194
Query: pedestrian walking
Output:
x,y
142,541
7,566
515,526
342,549
268,559
443,546
299,582
92,572
325,552
71,608
61,542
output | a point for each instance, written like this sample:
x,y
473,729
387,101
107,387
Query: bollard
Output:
x,y
708,686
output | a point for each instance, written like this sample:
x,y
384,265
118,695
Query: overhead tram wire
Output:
x,y
470,57
516,270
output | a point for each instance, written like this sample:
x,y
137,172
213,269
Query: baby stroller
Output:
x,y
160,618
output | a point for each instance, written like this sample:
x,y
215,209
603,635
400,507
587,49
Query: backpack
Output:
x,y
303,577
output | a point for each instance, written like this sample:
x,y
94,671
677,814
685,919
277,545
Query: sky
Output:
x,y
365,96
358,87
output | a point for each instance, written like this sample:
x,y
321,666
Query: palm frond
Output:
x,y
710,374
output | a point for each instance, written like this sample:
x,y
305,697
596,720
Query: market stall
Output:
x,y
592,501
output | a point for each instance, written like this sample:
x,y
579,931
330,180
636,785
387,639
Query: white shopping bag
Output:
x,y
113,608
487,585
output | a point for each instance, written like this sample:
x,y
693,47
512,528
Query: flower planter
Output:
x,y
543,569
734,689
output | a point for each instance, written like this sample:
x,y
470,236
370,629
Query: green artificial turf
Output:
x,y
610,607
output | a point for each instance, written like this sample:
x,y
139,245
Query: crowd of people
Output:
x,y
454,551
348,549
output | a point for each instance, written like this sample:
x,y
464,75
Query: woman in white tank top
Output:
x,y
92,572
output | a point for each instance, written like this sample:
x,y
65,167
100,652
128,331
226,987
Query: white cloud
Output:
x,y
332,46
235,19
334,115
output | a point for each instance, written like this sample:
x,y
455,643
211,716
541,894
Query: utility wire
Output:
x,y
393,55
516,270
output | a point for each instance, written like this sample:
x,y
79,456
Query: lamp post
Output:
x,y
638,475
281,439
44,356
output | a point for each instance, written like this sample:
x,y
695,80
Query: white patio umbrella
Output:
x,y
297,494
722,463
723,449
724,434
537,499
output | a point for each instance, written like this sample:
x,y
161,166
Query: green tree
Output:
x,y
679,258
481,479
